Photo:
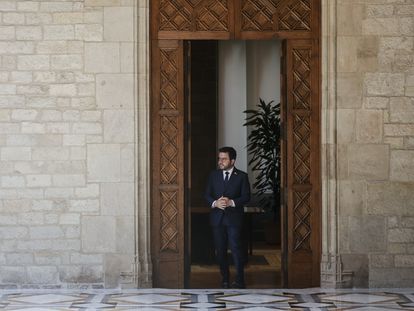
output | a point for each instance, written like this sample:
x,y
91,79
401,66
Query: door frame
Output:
x,y
177,37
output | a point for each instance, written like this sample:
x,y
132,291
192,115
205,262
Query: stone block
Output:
x,y
39,180
93,116
401,110
21,77
367,234
98,234
390,198
128,163
85,259
118,24
13,18
66,62
381,26
7,33
409,142
24,114
69,219
45,232
369,125
73,140
28,6
89,32
103,3
51,47
50,154
406,26
86,89
349,90
93,17
69,18
33,62
87,128
347,53
391,277
58,32
77,153
11,101
102,57
58,193
12,181
117,199
43,205
352,197
13,233
107,156
127,57
63,89
401,235
28,33
42,274
71,180
369,162
379,10
381,261
384,84
16,154
90,191
118,126
72,232
399,129
51,6
114,265
124,232
81,274
115,91
402,165
84,206
19,259
350,11
346,126
376,102
359,265
405,261
12,274
38,18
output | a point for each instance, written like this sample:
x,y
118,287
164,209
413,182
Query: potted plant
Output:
x,y
264,149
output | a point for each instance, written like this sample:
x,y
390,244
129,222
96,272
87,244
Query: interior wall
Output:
x,y
248,70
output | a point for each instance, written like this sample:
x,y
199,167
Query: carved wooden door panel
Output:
x,y
193,19
167,213
267,19
302,178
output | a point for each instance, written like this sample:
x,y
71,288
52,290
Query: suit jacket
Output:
x,y
236,189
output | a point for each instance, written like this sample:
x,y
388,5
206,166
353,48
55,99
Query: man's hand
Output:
x,y
221,203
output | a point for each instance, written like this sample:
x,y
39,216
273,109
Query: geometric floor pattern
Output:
x,y
182,299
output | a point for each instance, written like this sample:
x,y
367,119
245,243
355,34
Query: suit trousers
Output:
x,y
224,236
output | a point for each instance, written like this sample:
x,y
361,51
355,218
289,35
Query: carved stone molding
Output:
x,y
332,274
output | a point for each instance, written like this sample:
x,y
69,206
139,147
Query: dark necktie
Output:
x,y
226,179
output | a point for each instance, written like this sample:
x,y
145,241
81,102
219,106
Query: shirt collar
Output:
x,y
230,172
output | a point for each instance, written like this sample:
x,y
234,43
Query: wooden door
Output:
x,y
296,21
302,246
167,213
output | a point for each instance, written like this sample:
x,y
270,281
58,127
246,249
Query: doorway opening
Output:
x,y
222,80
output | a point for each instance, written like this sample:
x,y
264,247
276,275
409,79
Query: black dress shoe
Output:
x,y
238,285
225,285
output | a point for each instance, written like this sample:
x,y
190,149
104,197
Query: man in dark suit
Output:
x,y
228,190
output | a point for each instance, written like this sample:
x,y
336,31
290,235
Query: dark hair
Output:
x,y
230,151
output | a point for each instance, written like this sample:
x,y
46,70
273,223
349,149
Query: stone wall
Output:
x,y
67,133
375,140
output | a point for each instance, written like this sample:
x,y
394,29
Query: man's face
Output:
x,y
224,162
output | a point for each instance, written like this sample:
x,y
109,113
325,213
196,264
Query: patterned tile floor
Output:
x,y
168,299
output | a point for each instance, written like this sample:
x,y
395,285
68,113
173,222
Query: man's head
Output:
x,y
226,158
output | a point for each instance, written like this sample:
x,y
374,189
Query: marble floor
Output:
x,y
182,299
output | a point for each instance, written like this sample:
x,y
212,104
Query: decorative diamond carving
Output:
x,y
169,221
193,15
169,150
257,15
302,216
175,15
301,79
301,149
296,15
213,16
169,76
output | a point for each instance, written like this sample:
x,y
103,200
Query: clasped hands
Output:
x,y
222,203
